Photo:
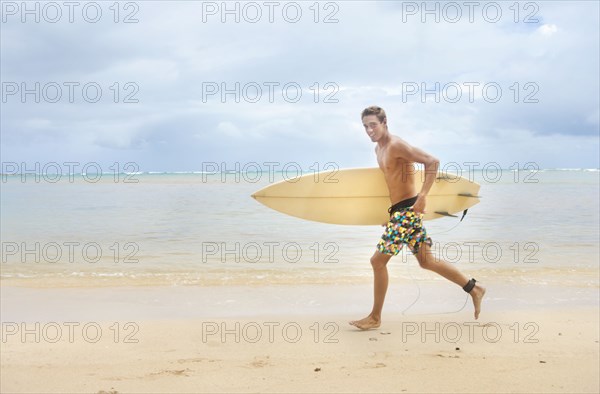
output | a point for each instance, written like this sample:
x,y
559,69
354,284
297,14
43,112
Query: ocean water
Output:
x,y
204,229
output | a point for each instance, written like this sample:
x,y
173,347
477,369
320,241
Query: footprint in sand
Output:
x,y
447,355
196,360
175,372
380,355
376,365
260,362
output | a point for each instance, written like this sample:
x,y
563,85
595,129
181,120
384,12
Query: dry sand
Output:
x,y
527,351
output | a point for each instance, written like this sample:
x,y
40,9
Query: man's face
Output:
x,y
374,128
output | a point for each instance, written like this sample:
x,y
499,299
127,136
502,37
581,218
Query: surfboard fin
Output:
x,y
448,177
444,213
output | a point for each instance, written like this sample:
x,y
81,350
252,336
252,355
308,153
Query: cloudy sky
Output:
x,y
189,82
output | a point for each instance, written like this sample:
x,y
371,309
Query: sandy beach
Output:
x,y
200,196
98,350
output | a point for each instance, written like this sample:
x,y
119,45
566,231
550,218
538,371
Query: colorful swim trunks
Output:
x,y
405,227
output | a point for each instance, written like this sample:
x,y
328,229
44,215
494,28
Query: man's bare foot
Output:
x,y
477,294
366,323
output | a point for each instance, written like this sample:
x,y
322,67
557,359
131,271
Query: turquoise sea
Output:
x,y
204,229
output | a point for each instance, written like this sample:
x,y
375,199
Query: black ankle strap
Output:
x,y
469,286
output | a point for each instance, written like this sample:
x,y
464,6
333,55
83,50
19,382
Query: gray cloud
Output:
x,y
368,55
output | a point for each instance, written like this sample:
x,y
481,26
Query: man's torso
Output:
x,y
399,173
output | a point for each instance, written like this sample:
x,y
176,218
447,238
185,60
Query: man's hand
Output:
x,y
419,206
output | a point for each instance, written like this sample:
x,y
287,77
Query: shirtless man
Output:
x,y
396,159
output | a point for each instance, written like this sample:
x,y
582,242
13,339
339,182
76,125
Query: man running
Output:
x,y
396,159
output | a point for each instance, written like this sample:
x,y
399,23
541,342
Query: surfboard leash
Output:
x,y
456,225
419,296
415,281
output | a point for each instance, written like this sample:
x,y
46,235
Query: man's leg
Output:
x,y
380,281
428,261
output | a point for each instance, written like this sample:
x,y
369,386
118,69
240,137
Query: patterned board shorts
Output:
x,y
405,227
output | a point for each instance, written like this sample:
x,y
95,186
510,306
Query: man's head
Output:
x,y
375,122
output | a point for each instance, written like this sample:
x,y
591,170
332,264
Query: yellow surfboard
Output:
x,y
360,196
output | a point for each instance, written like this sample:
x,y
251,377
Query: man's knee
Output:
x,y
425,259
424,255
378,261
425,262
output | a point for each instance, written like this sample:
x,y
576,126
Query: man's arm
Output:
x,y
403,150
